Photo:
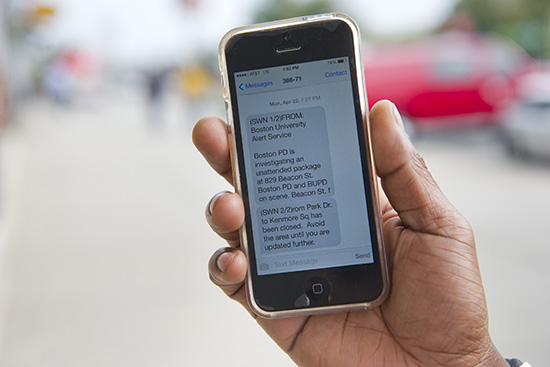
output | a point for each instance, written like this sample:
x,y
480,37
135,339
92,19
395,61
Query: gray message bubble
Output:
x,y
290,155
299,225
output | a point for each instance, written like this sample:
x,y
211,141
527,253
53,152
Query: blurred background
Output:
x,y
103,245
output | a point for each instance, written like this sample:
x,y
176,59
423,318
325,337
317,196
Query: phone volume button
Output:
x,y
229,129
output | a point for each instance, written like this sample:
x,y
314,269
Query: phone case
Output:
x,y
236,173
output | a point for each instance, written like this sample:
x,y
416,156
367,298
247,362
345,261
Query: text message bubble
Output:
x,y
290,155
298,226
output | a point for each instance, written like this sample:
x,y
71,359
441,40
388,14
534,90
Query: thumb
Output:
x,y
406,181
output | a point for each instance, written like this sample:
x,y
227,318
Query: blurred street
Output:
x,y
104,257
104,245
505,201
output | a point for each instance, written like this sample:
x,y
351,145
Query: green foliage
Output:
x,y
525,21
281,9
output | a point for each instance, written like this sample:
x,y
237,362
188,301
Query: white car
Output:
x,y
527,124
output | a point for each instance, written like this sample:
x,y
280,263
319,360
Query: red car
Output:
x,y
448,80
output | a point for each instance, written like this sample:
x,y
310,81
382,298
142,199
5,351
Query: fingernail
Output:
x,y
397,117
210,205
223,261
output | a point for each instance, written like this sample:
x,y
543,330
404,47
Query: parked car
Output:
x,y
526,130
449,80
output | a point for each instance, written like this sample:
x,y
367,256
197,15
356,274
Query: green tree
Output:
x,y
525,21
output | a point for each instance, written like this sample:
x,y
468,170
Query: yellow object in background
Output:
x,y
195,81
40,13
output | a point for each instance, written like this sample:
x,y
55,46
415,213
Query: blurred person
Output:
x,y
436,313
4,103
155,84
4,51
57,80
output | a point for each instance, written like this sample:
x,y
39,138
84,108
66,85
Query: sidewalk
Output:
x,y
105,257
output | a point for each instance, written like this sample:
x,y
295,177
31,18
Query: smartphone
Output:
x,y
302,162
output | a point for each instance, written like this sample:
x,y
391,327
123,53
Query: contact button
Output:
x,y
332,74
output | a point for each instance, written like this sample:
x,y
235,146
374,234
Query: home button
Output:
x,y
318,288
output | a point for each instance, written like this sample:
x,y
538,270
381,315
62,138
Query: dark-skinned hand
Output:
x,y
436,313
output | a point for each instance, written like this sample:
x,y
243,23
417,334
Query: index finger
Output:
x,y
210,138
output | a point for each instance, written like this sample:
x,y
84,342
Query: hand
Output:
x,y
436,314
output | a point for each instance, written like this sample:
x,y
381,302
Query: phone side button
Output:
x,y
222,78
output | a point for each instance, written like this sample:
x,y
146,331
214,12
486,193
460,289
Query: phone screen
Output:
x,y
303,167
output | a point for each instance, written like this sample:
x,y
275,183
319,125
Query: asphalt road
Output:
x,y
104,247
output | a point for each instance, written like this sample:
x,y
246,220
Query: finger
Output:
x,y
210,138
227,269
408,184
383,201
225,214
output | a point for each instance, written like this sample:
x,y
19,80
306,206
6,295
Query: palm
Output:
x,y
423,314
436,313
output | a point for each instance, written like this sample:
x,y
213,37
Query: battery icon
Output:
x,y
341,61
